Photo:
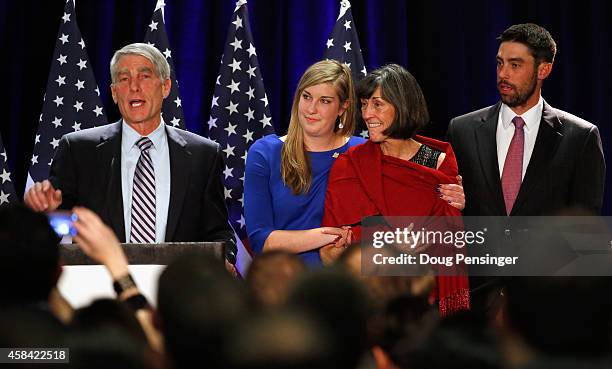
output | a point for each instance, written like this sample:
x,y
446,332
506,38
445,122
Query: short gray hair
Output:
x,y
162,68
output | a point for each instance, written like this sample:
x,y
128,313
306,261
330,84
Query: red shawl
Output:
x,y
365,182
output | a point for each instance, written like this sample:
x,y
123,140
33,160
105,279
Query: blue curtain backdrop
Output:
x,y
449,46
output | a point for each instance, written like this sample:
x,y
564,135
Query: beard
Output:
x,y
520,96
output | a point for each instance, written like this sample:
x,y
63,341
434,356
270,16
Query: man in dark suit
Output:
x,y
562,163
150,182
521,156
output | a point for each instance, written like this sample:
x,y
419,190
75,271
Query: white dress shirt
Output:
x,y
505,131
160,156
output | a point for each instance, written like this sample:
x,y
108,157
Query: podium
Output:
x,y
84,280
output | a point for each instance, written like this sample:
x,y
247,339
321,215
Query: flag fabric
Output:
x,y
343,46
7,190
172,110
239,116
72,99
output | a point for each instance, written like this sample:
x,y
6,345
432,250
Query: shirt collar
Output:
x,y
531,117
130,136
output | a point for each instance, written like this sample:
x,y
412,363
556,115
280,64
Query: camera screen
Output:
x,y
62,223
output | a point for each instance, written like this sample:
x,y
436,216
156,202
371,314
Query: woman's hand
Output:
x,y
453,193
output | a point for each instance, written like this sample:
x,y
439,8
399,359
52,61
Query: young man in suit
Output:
x,y
521,156
148,181
553,160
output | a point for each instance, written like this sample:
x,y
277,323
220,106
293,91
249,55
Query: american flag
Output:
x,y
72,100
172,110
343,46
7,190
239,115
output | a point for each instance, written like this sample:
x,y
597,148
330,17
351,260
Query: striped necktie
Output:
x,y
143,196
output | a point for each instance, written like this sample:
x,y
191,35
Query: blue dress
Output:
x,y
270,205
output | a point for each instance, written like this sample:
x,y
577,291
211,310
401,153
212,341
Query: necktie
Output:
x,y
143,196
513,166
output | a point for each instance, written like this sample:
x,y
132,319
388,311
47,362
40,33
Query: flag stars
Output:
x,y
248,136
251,71
251,50
61,59
54,142
64,38
330,42
76,126
167,53
227,192
4,197
160,5
61,80
365,73
229,150
228,172
97,111
212,122
78,105
153,26
237,22
97,91
234,87
347,25
58,101
175,122
37,139
82,43
347,46
251,93
82,64
236,65
233,108
66,17
4,155
57,122
231,128
177,101
6,176
237,44
249,115
79,84
241,221
266,121
34,159
218,78
214,102
265,100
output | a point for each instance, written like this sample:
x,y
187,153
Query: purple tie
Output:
x,y
513,166
143,196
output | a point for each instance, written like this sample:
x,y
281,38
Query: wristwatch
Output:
x,y
123,283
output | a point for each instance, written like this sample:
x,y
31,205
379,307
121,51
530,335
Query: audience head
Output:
x,y
282,340
561,316
198,303
29,256
323,105
270,276
339,302
392,103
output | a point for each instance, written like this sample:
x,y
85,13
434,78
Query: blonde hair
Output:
x,y
296,169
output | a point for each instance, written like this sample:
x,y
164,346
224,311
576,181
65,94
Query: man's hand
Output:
x,y
42,196
453,193
99,242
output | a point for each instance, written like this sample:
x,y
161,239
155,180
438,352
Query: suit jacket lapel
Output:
x,y
546,144
486,144
180,171
109,161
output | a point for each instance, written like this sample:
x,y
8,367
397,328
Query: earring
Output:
x,y
339,122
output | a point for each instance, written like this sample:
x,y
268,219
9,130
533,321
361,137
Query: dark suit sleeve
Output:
x,y
63,174
216,226
588,182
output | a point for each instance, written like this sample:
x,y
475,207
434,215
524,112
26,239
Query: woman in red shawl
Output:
x,y
396,172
